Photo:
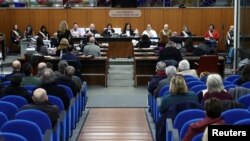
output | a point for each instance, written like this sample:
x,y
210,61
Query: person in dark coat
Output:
x,y
42,103
170,53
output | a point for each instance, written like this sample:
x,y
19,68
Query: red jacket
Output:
x,y
215,36
200,126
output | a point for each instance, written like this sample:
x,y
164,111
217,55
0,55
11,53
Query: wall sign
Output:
x,y
125,13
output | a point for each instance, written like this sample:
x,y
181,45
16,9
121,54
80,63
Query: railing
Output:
x,y
117,3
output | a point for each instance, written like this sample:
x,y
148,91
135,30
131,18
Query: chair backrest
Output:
x,y
227,87
243,122
246,85
3,119
194,83
25,128
5,83
36,116
225,83
208,63
198,137
29,88
233,115
190,79
187,115
17,100
56,101
231,78
9,109
198,88
188,76
185,127
163,90
11,137
245,100
68,90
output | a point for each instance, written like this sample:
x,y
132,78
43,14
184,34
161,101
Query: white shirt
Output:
x,y
150,33
75,33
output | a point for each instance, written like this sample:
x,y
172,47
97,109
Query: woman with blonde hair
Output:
x,y
178,92
63,32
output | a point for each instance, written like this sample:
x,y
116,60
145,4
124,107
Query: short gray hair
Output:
x,y
160,65
184,65
69,71
48,76
170,71
62,65
214,83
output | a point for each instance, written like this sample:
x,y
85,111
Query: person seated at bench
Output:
x,y
184,69
212,37
144,42
92,48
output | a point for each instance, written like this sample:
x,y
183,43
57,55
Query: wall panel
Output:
x,y
152,17
193,18
55,17
39,18
98,17
173,17
77,16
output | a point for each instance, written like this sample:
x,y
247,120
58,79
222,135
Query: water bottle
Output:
x,y
61,53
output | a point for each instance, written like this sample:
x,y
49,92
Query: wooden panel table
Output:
x,y
144,67
94,70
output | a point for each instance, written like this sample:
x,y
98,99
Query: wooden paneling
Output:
x,y
193,18
39,18
2,20
227,19
55,17
97,17
19,17
137,23
77,16
245,21
116,22
152,17
173,17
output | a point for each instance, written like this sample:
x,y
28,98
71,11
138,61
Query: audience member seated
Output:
x,y
164,39
215,88
178,92
48,83
213,109
67,81
127,30
144,42
40,68
188,46
166,31
92,31
43,33
64,44
212,37
42,103
160,75
170,72
71,56
16,89
28,79
109,31
203,49
184,69
75,32
40,47
170,53
70,72
49,65
237,92
185,32
63,32
150,33
92,48
245,75
16,66
61,68
15,35
28,33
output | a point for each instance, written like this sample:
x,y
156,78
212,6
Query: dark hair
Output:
x,y
27,69
213,107
212,26
125,27
43,27
49,65
109,24
30,32
16,80
70,48
39,43
245,75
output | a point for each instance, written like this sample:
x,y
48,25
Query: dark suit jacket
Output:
x,y
19,91
51,110
71,56
106,32
170,53
63,80
8,76
130,31
53,89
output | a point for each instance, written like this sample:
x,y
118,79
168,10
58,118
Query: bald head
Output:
x,y
165,27
16,65
40,95
41,66
92,40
